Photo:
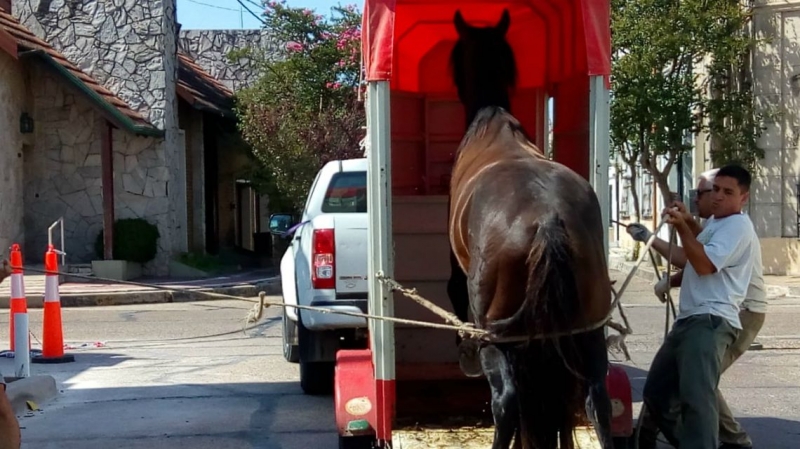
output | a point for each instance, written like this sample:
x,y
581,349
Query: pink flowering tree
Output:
x,y
306,108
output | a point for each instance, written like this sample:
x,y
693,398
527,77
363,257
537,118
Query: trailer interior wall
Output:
x,y
563,52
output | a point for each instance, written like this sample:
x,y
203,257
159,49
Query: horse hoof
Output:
x,y
469,358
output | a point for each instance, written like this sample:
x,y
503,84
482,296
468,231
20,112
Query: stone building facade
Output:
x,y
775,194
127,78
210,49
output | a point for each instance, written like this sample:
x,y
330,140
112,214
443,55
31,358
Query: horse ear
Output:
x,y
503,24
461,26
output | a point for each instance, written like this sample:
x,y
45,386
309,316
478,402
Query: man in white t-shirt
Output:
x,y
9,426
719,265
752,314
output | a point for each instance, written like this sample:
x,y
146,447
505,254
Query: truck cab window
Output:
x,y
347,193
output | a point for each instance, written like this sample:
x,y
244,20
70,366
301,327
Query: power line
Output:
x,y
254,4
212,6
251,12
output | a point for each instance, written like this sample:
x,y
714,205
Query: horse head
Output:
x,y
482,65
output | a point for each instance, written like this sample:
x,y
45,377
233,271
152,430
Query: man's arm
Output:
x,y
676,279
695,252
9,426
693,249
695,227
678,255
5,270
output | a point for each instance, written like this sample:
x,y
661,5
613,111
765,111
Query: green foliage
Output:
x,y
135,240
203,262
304,110
669,59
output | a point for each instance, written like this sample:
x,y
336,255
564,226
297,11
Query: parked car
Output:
x,y
325,266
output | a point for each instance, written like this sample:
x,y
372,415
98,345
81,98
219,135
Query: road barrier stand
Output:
x,y
53,335
18,306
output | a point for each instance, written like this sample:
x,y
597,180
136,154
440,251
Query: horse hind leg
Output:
x,y
457,289
598,403
505,411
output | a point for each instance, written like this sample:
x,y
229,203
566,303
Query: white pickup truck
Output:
x,y
325,266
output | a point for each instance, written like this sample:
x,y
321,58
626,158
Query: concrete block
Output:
x,y
121,270
38,389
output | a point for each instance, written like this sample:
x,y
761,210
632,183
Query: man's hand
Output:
x,y
692,224
638,232
678,219
5,270
662,287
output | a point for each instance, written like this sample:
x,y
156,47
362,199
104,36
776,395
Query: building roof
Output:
x,y
201,90
114,109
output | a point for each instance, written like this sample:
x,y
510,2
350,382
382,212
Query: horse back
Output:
x,y
511,203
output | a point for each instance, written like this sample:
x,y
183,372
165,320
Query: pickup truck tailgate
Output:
x,y
351,254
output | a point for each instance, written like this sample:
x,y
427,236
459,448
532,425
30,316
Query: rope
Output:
x,y
669,306
262,302
256,313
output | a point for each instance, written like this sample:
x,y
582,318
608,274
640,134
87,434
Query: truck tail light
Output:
x,y
323,257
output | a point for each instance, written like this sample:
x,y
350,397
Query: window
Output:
x,y
647,195
625,207
347,193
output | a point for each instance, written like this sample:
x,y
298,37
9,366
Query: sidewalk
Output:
x,y
777,286
77,292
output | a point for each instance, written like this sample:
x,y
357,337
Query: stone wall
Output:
x,y
121,43
173,141
141,184
63,173
210,48
775,62
12,104
130,47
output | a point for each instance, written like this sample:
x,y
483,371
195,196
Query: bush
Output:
x,y
135,240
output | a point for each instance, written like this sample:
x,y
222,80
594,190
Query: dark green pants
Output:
x,y
680,391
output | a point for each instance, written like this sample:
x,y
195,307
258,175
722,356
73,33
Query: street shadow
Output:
x,y
772,433
275,415
84,359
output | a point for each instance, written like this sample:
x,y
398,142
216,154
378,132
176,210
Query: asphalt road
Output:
x,y
185,375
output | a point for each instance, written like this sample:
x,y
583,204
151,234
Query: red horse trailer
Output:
x,y
409,376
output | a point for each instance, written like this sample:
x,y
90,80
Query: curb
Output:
x,y
271,286
618,263
38,389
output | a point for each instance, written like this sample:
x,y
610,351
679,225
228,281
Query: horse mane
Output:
x,y
494,120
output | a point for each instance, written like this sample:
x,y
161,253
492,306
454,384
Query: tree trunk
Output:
x,y
715,140
637,208
663,187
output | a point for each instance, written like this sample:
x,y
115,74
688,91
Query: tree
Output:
x,y
305,108
660,49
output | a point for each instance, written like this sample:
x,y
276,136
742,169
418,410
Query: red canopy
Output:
x,y
553,40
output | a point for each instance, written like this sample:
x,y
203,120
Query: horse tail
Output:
x,y
550,390
551,294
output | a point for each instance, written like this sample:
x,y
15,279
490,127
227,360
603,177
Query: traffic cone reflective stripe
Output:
x,y
17,303
53,337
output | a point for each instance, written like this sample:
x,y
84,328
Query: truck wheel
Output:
x,y
623,443
359,442
290,347
316,378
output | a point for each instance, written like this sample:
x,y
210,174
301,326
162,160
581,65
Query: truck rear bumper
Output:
x,y
319,321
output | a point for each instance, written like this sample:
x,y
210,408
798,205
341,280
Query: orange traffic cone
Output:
x,y
18,303
53,336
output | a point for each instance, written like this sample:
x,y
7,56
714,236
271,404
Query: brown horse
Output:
x,y
529,236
